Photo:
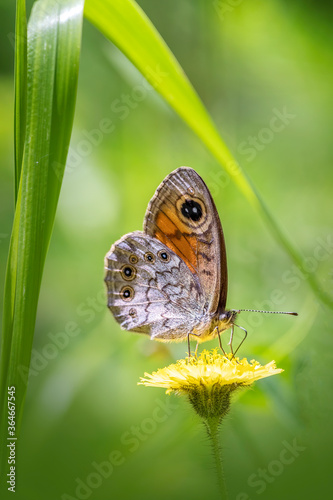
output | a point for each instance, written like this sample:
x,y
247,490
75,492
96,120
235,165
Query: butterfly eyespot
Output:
x,y
132,312
127,293
164,256
190,190
128,272
192,210
149,257
133,259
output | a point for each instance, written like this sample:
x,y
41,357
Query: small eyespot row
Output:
x,y
164,256
133,259
127,293
128,273
149,257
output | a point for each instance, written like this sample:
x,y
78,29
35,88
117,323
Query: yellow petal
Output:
x,y
208,370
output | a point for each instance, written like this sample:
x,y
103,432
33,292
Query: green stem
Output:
x,y
212,425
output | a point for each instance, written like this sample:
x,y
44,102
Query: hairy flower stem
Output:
x,y
208,380
212,426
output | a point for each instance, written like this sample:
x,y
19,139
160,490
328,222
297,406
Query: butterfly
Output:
x,y
170,280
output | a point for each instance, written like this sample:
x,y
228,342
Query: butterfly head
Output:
x,y
227,319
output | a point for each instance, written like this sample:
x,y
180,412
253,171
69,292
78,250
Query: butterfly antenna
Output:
x,y
268,312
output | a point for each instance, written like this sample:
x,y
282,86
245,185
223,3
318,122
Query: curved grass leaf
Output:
x,y
53,50
126,25
20,88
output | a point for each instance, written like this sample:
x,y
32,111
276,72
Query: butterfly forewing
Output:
x,y
182,215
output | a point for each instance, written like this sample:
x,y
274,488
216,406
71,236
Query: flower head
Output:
x,y
209,369
209,379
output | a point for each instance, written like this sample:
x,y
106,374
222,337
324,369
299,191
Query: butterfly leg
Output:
x,y
188,345
220,341
231,339
245,335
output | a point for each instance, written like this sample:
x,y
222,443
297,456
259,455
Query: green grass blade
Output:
x,y
54,35
126,25
20,88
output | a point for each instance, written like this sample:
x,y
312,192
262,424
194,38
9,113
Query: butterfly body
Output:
x,y
169,281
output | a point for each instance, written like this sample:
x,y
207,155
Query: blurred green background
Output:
x,y
264,70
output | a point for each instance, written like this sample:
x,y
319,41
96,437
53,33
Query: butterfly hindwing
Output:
x,y
150,288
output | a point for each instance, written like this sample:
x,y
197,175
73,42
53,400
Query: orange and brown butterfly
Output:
x,y
170,281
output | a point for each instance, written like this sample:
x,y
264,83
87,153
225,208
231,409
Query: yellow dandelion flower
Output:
x,y
209,369
209,379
